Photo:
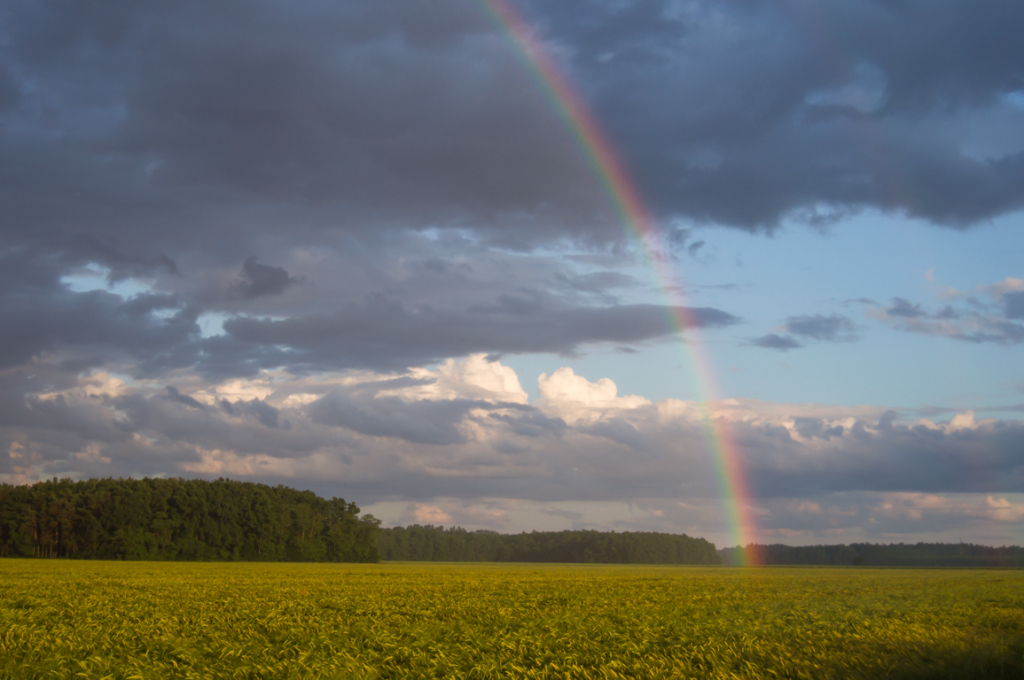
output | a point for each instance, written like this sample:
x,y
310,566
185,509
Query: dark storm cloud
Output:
x,y
192,127
262,279
742,112
10,91
178,119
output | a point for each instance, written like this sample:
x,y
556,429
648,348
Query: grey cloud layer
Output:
x,y
181,142
245,117
430,315
148,125
383,333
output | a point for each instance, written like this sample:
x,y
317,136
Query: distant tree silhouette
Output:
x,y
892,555
430,543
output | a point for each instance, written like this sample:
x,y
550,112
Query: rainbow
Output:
x,y
627,202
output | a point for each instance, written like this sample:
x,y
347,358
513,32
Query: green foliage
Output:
x,y
177,519
430,543
67,619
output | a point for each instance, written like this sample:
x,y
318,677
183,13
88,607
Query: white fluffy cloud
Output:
x,y
575,398
475,377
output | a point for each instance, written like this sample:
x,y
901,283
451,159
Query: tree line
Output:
x,y
178,519
435,543
878,555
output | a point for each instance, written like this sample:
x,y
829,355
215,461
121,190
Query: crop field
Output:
x,y
80,619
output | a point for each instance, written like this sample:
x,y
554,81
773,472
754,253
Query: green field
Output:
x,y
64,619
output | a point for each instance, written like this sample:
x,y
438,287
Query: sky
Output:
x,y
360,248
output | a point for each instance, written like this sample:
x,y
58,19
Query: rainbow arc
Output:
x,y
635,217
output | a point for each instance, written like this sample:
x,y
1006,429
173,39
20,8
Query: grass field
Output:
x,y
64,619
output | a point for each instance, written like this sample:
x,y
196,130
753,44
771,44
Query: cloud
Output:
x,y
814,428
775,341
785,140
904,308
421,422
477,376
260,114
420,513
831,328
174,395
997,291
972,320
425,318
186,117
120,266
447,438
1014,305
261,279
383,333
565,385
619,446
264,413
575,399
39,314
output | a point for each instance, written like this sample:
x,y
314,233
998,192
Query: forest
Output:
x,y
878,555
430,543
178,519
226,520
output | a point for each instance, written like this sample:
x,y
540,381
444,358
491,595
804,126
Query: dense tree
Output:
x,y
877,555
177,519
430,543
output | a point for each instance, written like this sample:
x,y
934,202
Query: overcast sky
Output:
x,y
353,247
